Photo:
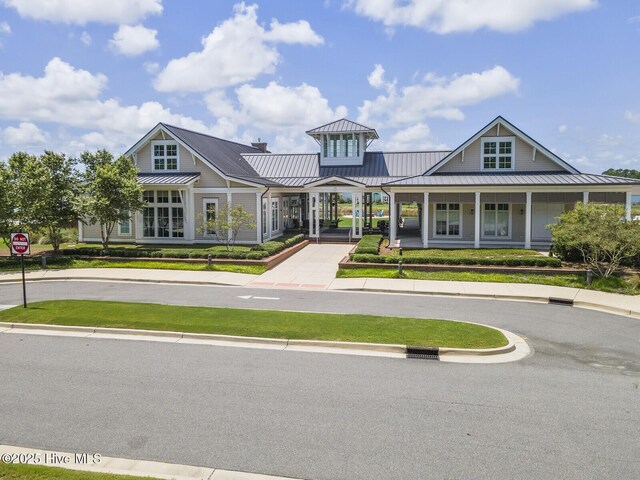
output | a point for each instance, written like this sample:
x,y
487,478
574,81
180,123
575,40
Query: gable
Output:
x,y
524,160
527,154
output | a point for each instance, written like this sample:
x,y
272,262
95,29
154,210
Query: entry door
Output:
x,y
544,214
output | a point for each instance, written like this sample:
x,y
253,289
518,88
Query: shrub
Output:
x,y
599,235
369,244
426,260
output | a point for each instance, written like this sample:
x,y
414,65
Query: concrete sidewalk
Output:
x,y
312,269
134,275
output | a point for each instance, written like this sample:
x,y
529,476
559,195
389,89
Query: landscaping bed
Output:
x,y
372,249
246,259
259,323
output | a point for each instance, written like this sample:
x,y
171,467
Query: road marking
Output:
x,y
247,297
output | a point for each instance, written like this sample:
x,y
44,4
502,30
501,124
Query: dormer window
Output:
x,y
341,146
498,153
165,156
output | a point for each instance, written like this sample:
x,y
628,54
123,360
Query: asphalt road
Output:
x,y
571,410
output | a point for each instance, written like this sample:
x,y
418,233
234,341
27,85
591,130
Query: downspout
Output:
x,y
261,212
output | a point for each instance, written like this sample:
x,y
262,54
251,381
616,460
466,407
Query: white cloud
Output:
x,y
86,38
635,19
447,16
295,32
273,111
376,77
5,28
415,137
71,97
134,40
562,128
632,116
82,12
24,136
236,51
438,97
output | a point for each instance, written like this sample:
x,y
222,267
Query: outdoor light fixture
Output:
x,y
522,211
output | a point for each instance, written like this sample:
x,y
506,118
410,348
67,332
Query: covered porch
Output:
x,y
498,218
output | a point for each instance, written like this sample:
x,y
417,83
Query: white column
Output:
x,y
393,221
628,206
585,197
353,213
316,200
269,214
476,233
361,217
229,215
258,217
527,222
425,220
358,206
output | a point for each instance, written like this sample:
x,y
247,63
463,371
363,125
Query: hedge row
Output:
x,y
510,262
370,244
258,252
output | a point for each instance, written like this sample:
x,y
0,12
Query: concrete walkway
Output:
x,y
314,266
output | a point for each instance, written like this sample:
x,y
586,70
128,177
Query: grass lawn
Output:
x,y
74,263
626,286
37,472
346,222
259,323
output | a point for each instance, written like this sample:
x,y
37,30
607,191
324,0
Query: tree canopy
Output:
x,y
622,172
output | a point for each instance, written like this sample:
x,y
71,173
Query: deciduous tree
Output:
x,y
111,192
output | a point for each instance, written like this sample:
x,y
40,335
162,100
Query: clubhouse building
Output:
x,y
499,188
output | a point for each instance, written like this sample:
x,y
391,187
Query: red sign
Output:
x,y
20,244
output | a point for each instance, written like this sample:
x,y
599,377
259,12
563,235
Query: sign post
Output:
x,y
20,245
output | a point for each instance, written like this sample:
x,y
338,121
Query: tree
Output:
x,y
225,223
42,191
600,235
111,193
622,172
7,204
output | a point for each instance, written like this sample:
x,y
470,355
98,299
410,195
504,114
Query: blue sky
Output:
x,y
427,74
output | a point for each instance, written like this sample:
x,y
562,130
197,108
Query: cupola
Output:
x,y
343,142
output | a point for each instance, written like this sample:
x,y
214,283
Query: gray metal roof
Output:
x,y
524,178
375,164
222,154
343,126
182,178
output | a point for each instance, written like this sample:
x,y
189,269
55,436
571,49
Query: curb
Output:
x,y
123,466
283,344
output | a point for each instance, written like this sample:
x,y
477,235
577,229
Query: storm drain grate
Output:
x,y
425,353
560,301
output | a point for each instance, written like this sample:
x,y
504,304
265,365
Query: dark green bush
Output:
x,y
369,244
511,262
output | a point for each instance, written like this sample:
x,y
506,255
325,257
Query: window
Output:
x,y
340,146
210,209
264,217
496,220
124,226
165,156
275,214
497,153
163,217
447,219
334,146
